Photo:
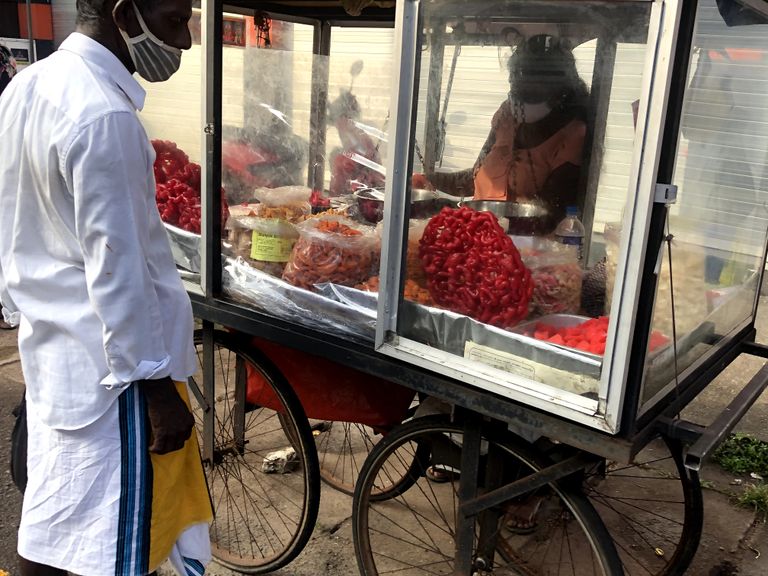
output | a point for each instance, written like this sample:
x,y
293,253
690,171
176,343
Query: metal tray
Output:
x,y
558,321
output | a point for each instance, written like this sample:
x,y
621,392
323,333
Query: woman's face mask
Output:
x,y
154,60
533,87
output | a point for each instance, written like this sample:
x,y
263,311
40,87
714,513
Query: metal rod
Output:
x,y
209,392
470,466
727,420
537,480
755,349
321,46
32,55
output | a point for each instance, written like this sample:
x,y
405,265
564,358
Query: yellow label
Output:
x,y
269,248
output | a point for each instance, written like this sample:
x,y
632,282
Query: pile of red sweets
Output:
x,y
588,336
177,188
473,267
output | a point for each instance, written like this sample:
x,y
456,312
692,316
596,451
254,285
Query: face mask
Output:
x,y
154,60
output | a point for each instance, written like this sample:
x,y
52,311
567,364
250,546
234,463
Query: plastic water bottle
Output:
x,y
570,231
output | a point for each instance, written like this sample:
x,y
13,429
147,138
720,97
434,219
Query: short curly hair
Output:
x,y
90,11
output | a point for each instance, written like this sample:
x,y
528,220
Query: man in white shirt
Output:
x,y
105,326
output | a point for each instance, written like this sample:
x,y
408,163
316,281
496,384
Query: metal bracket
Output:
x,y
665,194
716,432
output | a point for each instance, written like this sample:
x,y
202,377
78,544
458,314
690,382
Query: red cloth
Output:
x,y
330,391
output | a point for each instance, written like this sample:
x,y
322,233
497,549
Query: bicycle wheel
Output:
x,y
342,448
262,518
414,532
652,508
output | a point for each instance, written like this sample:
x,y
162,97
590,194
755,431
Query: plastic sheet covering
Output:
x,y
314,310
185,247
577,372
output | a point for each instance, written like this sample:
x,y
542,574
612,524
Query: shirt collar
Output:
x,y
97,54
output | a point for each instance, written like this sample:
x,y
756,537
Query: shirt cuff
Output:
x,y
146,370
12,318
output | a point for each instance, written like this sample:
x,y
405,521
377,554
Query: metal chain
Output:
x,y
416,146
518,116
668,239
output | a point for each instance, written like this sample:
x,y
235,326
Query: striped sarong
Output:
x,y
99,504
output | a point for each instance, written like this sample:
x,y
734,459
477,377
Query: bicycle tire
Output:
x,y
284,506
653,508
427,545
342,448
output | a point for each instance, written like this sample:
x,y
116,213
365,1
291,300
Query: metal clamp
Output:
x,y
665,194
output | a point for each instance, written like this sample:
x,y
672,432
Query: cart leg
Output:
x,y
470,464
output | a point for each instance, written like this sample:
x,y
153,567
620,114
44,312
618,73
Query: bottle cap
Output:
x,y
571,211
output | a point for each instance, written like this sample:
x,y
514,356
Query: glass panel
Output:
x,y
525,118
719,221
302,132
172,119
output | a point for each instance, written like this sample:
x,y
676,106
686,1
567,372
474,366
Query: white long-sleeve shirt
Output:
x,y
85,264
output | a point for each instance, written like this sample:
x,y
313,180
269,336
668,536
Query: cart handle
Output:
x,y
716,432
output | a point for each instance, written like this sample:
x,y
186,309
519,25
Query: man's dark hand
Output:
x,y
169,418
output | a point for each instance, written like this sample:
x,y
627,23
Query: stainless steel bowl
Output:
x,y
525,218
424,203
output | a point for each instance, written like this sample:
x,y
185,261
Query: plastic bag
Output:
x,y
557,278
282,195
265,243
414,270
332,249
263,233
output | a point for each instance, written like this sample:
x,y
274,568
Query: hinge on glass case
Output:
x,y
665,194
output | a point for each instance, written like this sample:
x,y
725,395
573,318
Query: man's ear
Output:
x,y
122,15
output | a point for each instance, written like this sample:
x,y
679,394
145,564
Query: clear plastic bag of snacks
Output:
x,y
557,277
332,249
263,233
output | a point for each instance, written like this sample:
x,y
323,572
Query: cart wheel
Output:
x,y
414,532
653,509
262,518
342,448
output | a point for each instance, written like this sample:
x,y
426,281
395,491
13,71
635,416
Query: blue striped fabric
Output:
x,y
193,567
136,487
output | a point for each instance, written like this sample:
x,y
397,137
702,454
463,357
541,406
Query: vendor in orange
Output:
x,y
535,147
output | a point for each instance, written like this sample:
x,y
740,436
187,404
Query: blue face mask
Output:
x,y
154,60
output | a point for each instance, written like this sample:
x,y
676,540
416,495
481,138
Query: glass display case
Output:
x,y
172,117
484,191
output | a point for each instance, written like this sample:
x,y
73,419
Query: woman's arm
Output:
x,y
462,183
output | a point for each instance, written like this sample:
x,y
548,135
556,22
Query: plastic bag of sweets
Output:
x,y
290,203
414,270
263,233
265,243
332,249
557,278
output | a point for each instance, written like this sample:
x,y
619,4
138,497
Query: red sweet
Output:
x,y
177,188
589,336
473,267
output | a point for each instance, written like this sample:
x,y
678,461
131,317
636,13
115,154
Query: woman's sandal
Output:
x,y
439,474
520,517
